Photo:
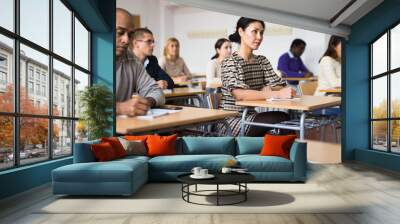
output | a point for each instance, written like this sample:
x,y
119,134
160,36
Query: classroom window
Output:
x,y
43,113
385,97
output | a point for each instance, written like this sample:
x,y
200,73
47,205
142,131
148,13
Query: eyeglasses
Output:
x,y
148,42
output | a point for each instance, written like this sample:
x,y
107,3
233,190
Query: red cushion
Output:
x,y
161,145
136,137
103,152
116,145
277,145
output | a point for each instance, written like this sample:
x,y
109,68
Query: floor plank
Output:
x,y
376,190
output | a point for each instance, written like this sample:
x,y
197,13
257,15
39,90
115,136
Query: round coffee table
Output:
x,y
238,179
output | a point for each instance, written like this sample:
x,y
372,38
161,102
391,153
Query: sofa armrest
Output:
x,y
83,152
298,155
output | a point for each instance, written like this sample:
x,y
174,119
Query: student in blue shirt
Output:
x,y
290,63
142,45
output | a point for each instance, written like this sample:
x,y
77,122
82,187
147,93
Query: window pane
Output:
x,y
7,14
395,47
6,74
395,136
379,135
62,29
62,89
35,21
6,142
81,45
379,98
33,139
379,55
62,141
34,82
81,81
395,95
81,132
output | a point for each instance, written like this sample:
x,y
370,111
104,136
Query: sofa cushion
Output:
x,y
161,145
103,152
277,145
136,137
116,145
257,163
134,147
185,163
249,145
207,145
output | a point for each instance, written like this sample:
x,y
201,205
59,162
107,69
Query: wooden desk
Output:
x,y
304,104
332,91
312,78
183,92
189,116
186,93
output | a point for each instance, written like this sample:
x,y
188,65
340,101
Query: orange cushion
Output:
x,y
277,145
103,152
161,145
136,137
116,145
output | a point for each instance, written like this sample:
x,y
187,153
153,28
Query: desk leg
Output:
x,y
242,122
302,129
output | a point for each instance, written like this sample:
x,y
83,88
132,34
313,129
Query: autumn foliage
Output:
x,y
33,130
380,127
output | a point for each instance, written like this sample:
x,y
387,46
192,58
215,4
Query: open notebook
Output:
x,y
283,99
156,112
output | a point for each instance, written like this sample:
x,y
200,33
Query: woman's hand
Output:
x,y
286,92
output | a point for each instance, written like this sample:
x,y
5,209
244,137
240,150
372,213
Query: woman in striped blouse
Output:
x,y
246,76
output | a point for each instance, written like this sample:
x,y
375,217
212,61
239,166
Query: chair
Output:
x,y
308,87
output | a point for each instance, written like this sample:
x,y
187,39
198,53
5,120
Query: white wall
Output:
x,y
197,30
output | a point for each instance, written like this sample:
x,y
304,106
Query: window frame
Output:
x,y
388,74
16,114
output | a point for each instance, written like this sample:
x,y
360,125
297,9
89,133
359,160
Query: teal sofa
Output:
x,y
125,176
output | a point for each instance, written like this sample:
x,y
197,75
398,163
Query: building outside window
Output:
x,y
30,87
57,126
385,96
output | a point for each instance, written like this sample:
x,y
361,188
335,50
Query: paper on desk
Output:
x,y
156,112
283,99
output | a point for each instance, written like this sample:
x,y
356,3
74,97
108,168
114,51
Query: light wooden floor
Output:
x,y
379,189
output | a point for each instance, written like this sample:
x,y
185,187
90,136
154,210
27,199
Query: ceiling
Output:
x,y
326,16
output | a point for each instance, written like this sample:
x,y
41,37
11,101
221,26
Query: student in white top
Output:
x,y
330,68
223,49
173,64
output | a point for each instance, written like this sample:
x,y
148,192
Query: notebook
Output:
x,y
156,112
283,99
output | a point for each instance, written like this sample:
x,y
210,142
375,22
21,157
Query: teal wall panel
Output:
x,y
356,81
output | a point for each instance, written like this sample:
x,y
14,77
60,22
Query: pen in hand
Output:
x,y
136,96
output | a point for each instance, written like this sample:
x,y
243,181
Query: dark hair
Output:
x,y
243,23
297,42
139,32
218,45
330,51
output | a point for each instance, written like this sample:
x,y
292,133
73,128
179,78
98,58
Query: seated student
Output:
x,y
223,49
142,47
290,63
131,77
330,68
172,63
246,76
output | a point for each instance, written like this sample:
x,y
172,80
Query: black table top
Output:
x,y
220,178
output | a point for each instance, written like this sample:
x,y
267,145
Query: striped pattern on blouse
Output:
x,y
254,74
